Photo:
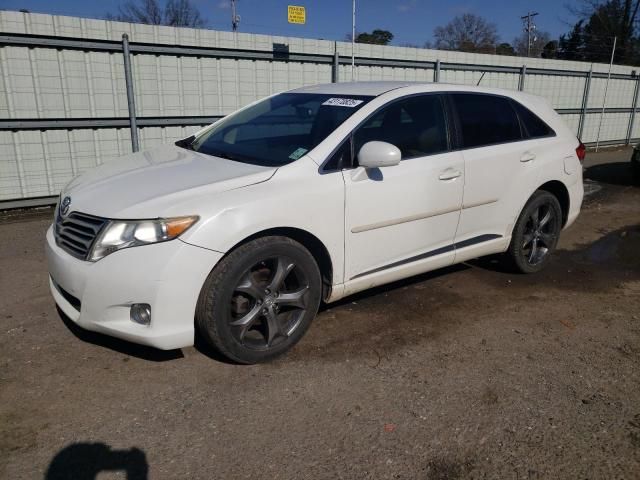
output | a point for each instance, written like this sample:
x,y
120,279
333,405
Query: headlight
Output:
x,y
120,234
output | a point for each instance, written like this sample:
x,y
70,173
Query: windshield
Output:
x,y
278,130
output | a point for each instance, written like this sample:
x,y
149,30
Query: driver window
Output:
x,y
416,125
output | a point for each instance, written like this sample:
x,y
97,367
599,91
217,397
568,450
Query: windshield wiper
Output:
x,y
186,142
227,156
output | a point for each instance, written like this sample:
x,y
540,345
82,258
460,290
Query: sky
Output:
x,y
411,21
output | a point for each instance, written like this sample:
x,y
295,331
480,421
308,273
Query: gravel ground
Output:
x,y
467,372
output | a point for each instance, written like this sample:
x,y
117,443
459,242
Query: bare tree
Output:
x,y
175,13
467,33
179,13
143,11
538,42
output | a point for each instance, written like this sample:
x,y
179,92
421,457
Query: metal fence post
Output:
x,y
131,102
335,75
436,72
632,117
523,73
585,101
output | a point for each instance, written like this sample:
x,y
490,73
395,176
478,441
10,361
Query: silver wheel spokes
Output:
x,y
268,303
539,235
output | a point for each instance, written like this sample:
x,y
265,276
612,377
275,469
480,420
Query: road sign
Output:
x,y
297,15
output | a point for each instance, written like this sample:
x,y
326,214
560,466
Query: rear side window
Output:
x,y
486,119
533,126
416,125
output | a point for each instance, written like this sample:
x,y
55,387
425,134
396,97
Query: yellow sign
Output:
x,y
297,15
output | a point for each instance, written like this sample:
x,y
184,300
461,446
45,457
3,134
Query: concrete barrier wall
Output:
x,y
44,80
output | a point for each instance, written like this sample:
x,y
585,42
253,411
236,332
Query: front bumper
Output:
x,y
98,296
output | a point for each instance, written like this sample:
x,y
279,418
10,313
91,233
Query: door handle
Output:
x,y
527,157
450,174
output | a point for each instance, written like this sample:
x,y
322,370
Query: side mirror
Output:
x,y
378,154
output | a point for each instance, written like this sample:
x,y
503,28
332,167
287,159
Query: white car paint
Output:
x,y
159,179
370,222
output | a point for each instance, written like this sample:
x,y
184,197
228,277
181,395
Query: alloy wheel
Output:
x,y
268,303
539,234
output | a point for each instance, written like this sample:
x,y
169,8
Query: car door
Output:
x,y
409,212
498,165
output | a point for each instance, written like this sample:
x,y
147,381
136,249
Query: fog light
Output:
x,y
141,313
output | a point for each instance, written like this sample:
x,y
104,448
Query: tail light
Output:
x,y
581,151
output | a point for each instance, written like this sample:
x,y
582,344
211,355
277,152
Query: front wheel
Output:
x,y
260,299
536,233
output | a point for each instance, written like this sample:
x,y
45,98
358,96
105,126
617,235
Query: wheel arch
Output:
x,y
308,240
561,192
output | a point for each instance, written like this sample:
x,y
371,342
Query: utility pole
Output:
x,y
235,18
529,28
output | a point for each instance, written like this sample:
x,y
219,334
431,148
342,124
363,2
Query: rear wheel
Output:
x,y
536,233
260,299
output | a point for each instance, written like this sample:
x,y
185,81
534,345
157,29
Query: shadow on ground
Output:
x,y
204,348
429,305
618,173
397,285
121,346
378,322
85,461
585,267
138,351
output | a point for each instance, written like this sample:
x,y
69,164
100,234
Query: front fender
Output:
x,y
297,197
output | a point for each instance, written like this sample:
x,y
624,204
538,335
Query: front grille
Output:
x,y
77,232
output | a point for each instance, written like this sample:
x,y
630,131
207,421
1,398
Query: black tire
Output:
x,y
238,313
532,244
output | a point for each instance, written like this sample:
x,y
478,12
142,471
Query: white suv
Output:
x,y
240,231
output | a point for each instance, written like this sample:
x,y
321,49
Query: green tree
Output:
x,y
505,49
600,21
571,45
606,22
377,37
550,50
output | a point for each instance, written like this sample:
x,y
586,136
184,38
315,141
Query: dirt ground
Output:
x,y
467,372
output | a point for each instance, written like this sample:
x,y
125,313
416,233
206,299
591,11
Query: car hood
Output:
x,y
163,181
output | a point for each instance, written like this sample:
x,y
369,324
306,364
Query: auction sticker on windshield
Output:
x,y
343,102
298,153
